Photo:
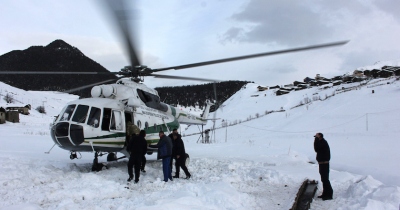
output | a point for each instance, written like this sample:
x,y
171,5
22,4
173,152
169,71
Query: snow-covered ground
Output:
x,y
255,164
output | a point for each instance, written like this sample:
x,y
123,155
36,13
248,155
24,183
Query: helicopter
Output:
x,y
98,124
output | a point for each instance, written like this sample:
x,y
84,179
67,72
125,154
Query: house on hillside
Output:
x,y
397,72
374,73
348,79
313,83
308,80
385,73
358,79
282,92
12,116
274,87
367,73
323,82
2,115
301,87
318,78
262,88
337,78
336,82
287,88
22,110
358,73
394,69
297,83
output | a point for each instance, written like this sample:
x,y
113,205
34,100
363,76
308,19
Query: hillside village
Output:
x,y
356,76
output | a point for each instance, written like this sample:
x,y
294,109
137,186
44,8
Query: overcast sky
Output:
x,y
177,32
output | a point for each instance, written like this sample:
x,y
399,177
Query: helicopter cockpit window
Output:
x,y
152,100
67,113
94,117
80,114
144,96
116,121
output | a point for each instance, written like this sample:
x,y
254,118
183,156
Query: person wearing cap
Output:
x,y
322,149
179,154
164,152
136,148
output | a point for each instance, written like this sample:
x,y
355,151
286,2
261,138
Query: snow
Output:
x,y
256,164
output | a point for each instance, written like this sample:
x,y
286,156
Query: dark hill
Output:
x,y
57,56
60,56
192,95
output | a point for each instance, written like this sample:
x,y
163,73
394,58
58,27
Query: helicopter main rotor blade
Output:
x,y
91,85
183,78
54,72
251,56
119,11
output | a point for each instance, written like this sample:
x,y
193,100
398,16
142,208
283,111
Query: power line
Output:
x,y
306,131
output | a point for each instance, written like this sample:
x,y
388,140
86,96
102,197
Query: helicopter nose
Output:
x,y
68,135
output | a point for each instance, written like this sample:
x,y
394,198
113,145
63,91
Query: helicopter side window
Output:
x,y
94,117
105,125
155,127
68,113
146,125
116,121
139,124
80,114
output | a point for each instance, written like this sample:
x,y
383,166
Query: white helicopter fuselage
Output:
x,y
99,123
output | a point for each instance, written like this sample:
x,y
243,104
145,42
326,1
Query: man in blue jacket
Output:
x,y
322,149
164,152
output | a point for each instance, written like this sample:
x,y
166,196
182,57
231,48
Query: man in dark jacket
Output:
x,y
174,131
164,152
321,147
179,154
137,147
142,135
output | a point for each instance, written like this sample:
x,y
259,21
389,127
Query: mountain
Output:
x,y
57,56
192,95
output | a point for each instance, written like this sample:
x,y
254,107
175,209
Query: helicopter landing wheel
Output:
x,y
111,157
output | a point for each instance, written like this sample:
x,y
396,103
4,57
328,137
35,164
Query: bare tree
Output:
x,y
9,98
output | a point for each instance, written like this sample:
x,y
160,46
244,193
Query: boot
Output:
x,y
176,176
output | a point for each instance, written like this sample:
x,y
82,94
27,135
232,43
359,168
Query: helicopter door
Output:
x,y
117,123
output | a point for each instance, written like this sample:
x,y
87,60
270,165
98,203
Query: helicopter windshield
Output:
x,y
68,113
80,114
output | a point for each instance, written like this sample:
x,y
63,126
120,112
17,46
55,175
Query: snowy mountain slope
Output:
x,y
359,126
260,164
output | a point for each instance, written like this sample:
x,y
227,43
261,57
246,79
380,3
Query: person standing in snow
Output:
x,y
179,154
164,152
174,131
321,147
142,136
137,147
